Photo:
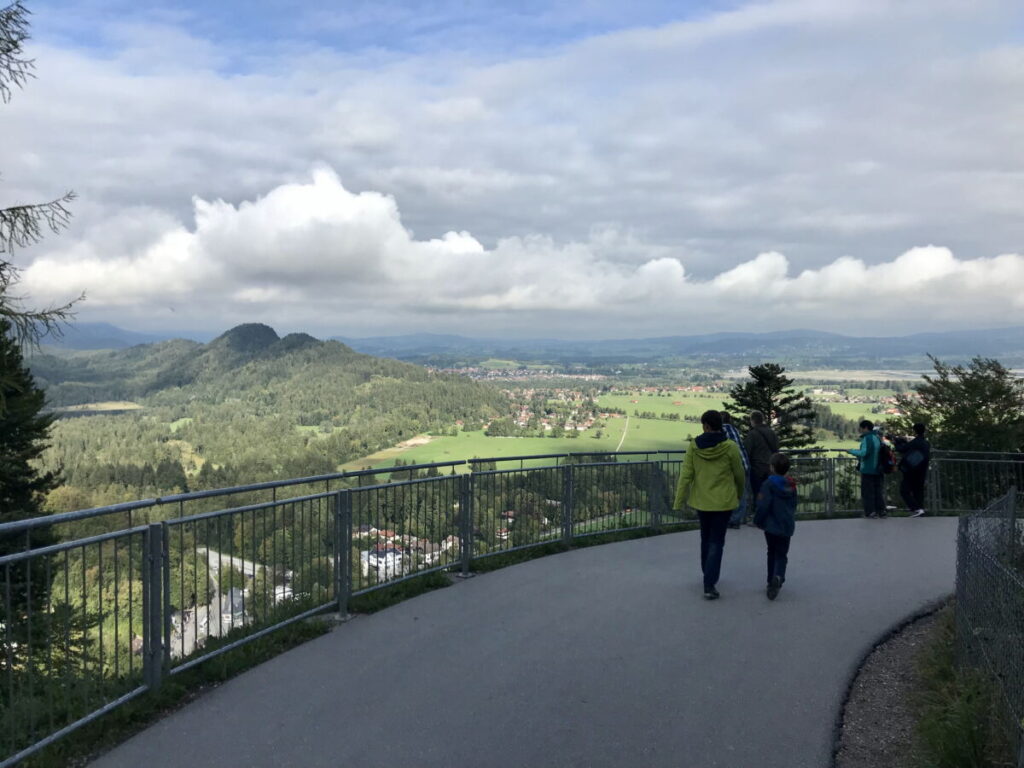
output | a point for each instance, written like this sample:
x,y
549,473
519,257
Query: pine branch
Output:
x,y
14,70
24,225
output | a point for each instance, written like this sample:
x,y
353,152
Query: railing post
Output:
x,y
343,550
152,605
567,502
466,521
1011,503
936,485
830,486
654,496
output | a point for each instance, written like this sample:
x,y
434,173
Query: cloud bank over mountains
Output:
x,y
855,167
316,255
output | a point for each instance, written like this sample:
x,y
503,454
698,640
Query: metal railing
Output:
x,y
990,603
90,623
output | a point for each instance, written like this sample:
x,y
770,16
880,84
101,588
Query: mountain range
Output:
x,y
805,346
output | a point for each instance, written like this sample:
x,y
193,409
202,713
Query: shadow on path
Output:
x,y
604,656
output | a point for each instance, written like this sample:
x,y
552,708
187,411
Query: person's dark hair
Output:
x,y
867,424
919,429
756,418
779,463
713,419
726,417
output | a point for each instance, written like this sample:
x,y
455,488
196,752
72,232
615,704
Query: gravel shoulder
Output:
x,y
879,717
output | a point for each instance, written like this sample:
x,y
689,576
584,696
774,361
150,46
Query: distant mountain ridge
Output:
x,y
810,346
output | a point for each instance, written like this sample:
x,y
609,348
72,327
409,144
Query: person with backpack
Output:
x,y
776,516
761,442
740,513
711,481
871,466
915,455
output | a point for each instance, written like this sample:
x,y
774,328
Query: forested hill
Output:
x,y
247,406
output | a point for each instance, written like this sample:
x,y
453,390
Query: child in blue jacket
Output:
x,y
776,516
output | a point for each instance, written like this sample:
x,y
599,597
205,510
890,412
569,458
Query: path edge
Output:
x,y
929,608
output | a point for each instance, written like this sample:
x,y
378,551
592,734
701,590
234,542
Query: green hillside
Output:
x,y
249,406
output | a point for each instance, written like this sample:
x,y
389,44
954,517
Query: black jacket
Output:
x,y
915,454
761,442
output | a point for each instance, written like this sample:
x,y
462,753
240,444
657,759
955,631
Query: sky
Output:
x,y
573,168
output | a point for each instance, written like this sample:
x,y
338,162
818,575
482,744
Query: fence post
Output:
x,y
152,605
937,486
567,500
830,486
343,550
654,496
466,521
1012,515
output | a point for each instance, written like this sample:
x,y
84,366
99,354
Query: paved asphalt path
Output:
x,y
604,656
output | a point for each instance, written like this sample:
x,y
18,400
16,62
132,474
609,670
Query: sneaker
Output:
x,y
773,587
918,513
711,594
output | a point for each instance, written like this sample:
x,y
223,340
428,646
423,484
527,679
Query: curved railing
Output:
x,y
142,591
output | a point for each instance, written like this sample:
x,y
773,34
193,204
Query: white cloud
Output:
x,y
603,186
316,252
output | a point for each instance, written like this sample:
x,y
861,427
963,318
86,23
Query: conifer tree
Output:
x,y
770,391
23,224
23,433
978,407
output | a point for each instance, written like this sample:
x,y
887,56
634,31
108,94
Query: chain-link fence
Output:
x,y
990,603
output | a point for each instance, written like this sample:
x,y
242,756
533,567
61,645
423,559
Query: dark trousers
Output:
x,y
713,526
871,493
912,489
778,555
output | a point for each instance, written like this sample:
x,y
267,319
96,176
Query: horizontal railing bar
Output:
x,y
520,458
66,545
415,481
130,506
253,507
486,472
404,468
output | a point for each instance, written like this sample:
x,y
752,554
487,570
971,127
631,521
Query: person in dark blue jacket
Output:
x,y
776,516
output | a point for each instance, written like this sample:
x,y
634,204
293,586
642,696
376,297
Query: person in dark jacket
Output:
x,y
915,454
761,442
776,516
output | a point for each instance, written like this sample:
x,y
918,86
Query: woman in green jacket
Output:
x,y
711,481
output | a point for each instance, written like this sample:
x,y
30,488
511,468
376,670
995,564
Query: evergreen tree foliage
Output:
x,y
24,224
978,407
770,391
23,433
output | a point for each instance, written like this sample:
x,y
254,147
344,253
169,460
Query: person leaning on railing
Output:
x,y
711,481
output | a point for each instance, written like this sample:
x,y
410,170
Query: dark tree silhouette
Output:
x,y
770,391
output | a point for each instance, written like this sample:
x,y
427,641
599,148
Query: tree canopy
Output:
x,y
978,407
770,391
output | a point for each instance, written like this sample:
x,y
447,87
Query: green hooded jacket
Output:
x,y
712,478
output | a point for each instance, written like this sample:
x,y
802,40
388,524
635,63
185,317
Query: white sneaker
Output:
x,y
918,513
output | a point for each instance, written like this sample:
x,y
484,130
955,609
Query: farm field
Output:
x,y
690,404
638,435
